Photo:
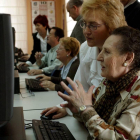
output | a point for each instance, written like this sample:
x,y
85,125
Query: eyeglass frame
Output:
x,y
89,26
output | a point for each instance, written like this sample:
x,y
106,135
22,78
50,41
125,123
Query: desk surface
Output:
x,y
42,100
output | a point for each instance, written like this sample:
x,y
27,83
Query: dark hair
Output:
x,y
58,32
77,3
42,19
130,42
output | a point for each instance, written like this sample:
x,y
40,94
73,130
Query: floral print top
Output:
x,y
124,121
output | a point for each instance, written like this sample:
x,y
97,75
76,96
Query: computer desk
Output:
x,y
44,100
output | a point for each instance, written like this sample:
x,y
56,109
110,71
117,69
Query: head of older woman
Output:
x,y
100,18
69,48
120,53
41,23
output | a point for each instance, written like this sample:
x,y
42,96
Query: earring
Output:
x,y
67,55
125,64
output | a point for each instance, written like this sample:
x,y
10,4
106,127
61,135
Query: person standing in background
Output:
x,y
132,12
73,7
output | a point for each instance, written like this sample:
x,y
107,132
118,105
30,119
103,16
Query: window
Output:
x,y
17,10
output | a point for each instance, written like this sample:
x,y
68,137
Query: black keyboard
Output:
x,y
33,85
51,130
22,69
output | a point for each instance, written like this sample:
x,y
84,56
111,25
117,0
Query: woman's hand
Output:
x,y
77,97
60,112
47,84
43,77
25,58
23,64
34,72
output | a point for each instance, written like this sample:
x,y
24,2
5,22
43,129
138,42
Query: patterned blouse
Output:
x,y
124,121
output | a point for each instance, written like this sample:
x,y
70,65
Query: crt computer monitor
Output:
x,y
6,69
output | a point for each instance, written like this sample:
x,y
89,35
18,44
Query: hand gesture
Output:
x,y
77,97
38,56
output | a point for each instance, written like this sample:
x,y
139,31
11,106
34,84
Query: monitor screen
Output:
x,y
6,69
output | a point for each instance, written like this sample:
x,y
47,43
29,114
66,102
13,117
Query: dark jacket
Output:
x,y
36,48
132,15
71,74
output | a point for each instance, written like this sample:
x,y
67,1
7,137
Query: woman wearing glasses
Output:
x,y
67,54
100,18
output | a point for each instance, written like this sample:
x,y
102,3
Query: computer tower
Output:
x,y
6,69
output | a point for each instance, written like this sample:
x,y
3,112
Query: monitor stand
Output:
x,y
14,129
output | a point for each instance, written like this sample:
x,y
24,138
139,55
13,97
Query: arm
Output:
x,y
122,129
78,33
71,74
55,64
123,122
36,48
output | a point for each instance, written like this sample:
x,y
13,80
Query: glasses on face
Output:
x,y
60,49
92,27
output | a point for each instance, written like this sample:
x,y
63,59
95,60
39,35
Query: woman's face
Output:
x,y
40,28
95,37
111,61
62,53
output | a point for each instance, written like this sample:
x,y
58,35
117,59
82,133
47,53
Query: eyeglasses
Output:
x,y
59,49
90,26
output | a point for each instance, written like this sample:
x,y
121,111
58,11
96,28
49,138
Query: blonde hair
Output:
x,y
111,12
71,44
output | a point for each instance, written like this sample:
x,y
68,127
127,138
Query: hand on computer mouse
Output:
x,y
48,117
39,77
43,77
60,112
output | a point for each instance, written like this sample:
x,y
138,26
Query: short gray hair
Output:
x,y
77,3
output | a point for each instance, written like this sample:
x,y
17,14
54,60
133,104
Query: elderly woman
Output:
x,y
39,38
113,111
67,54
100,18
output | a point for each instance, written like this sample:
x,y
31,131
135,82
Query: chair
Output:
x,y
70,88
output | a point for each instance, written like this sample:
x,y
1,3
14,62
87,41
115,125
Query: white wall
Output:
x,y
17,10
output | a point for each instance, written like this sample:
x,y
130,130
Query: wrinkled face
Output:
x,y
98,36
111,60
40,28
51,37
71,11
61,53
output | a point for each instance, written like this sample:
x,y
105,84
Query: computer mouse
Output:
x,y
49,117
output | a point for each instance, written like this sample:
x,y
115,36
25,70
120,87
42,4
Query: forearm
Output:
x,y
98,128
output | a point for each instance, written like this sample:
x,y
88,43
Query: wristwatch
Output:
x,y
83,107
42,70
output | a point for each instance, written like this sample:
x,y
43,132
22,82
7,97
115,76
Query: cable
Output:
x,y
34,109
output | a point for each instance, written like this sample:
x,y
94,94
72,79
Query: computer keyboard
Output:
x,y
22,69
33,85
51,130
